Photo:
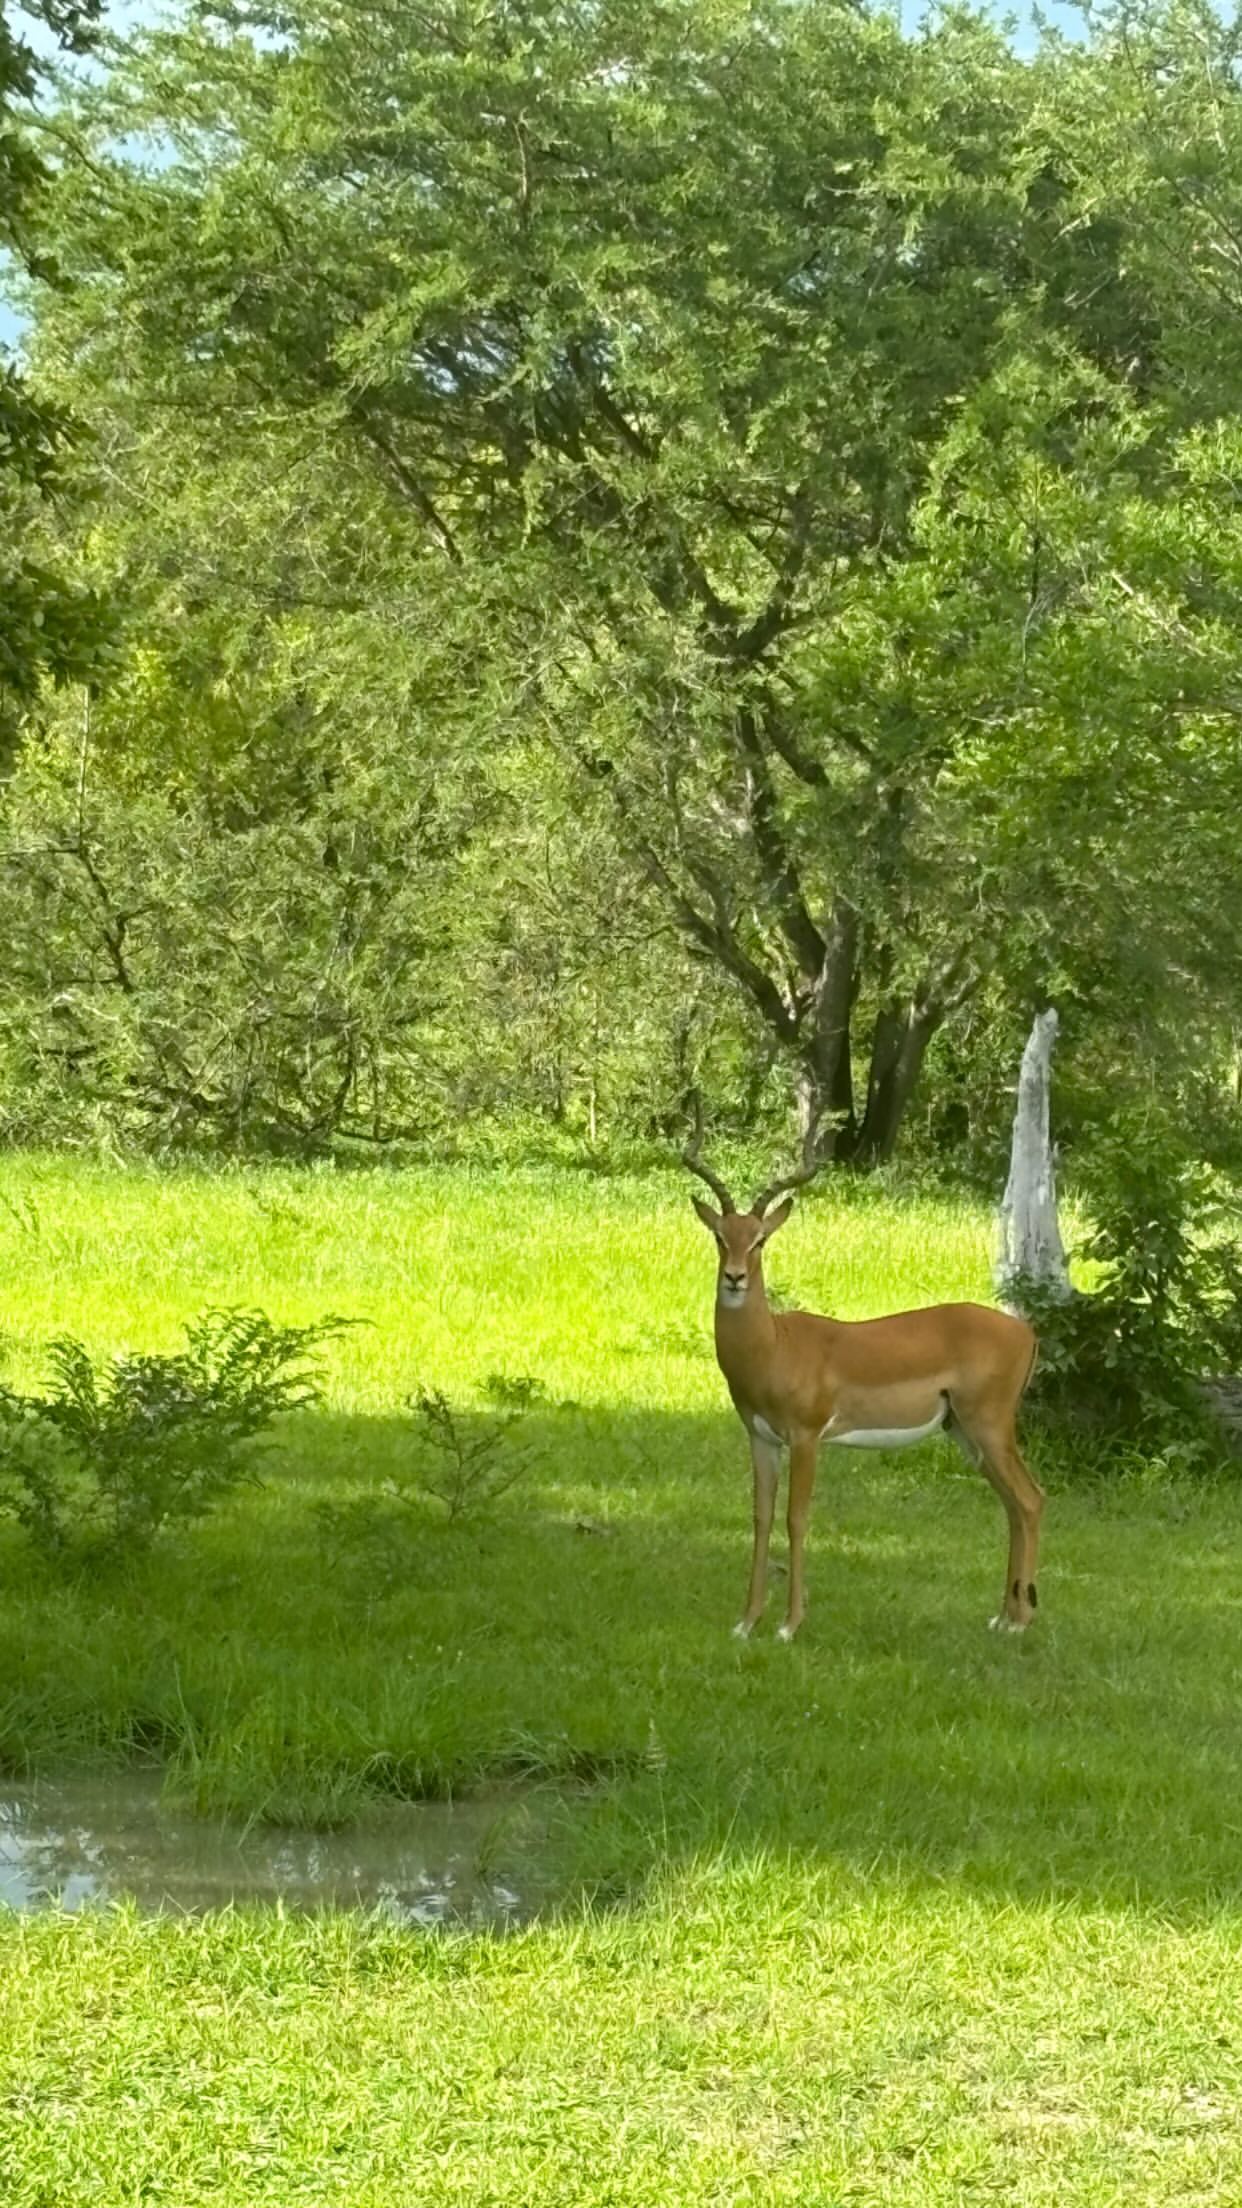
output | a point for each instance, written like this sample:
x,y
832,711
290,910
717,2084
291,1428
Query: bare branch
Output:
x,y
716,937
606,406
773,852
767,626
800,762
406,483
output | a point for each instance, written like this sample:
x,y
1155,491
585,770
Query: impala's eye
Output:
x,y
720,1244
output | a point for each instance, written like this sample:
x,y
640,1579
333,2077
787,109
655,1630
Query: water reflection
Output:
x,y
85,1842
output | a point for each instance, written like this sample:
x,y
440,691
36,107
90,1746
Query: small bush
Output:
x,y
105,1460
1126,1363
466,1459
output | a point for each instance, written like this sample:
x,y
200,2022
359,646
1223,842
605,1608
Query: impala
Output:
x,y
797,1379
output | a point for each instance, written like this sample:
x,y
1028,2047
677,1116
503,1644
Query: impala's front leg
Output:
x,y
802,1456
765,1456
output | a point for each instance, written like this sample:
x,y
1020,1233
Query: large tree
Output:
x,y
776,399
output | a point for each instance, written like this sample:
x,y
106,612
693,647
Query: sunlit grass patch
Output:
x,y
903,1913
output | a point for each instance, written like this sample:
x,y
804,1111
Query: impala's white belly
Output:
x,y
886,1437
861,1437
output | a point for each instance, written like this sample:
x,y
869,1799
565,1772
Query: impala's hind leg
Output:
x,y
765,1457
990,1443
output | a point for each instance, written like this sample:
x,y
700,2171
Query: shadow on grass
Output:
x,y
289,1666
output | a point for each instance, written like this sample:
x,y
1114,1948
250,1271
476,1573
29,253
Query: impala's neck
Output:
x,y
745,1331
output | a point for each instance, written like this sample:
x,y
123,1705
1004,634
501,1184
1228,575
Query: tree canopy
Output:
x,y
695,530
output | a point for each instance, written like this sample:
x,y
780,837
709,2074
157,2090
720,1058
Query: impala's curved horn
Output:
x,y
805,1171
694,1160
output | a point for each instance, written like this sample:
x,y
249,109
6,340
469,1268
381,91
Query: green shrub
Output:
x,y
1126,1362
96,1467
466,1459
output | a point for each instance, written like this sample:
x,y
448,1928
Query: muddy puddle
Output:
x,y
90,1841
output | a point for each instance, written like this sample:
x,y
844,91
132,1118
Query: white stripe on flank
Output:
x,y
884,1437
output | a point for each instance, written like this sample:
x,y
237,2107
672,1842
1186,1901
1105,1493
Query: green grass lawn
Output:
x,y
907,1913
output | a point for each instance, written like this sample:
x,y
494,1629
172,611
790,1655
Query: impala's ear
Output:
x,y
776,1219
711,1219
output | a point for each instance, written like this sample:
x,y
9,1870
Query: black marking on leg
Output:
x,y
1017,1590
1032,1597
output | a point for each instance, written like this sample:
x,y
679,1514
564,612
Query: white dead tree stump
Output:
x,y
1030,1234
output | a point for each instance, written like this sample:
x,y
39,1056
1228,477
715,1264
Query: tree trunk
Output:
x,y
825,1079
824,1093
1030,1233
898,1048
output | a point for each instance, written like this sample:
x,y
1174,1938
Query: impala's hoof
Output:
x,y
1002,1624
785,1632
743,1630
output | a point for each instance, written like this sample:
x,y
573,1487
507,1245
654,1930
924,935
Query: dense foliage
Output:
x,y
652,543
50,625
1122,1369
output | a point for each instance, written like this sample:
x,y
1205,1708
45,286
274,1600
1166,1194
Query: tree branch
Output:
x,y
772,850
716,937
406,484
766,627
